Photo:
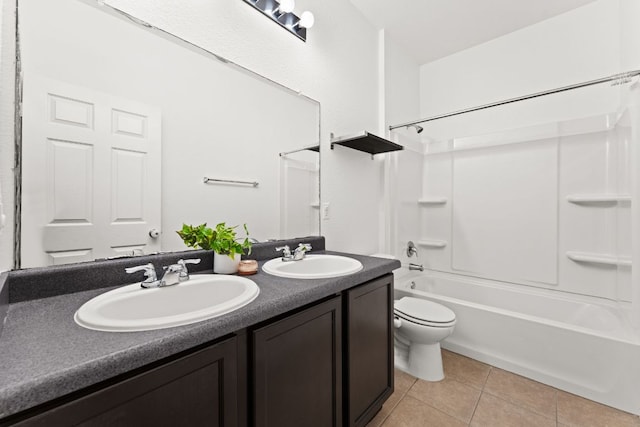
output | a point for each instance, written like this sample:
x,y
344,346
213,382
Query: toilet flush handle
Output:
x,y
397,322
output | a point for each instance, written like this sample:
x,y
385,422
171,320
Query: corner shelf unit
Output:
x,y
432,243
597,258
430,201
366,142
598,198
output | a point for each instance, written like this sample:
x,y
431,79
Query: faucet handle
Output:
x,y
184,273
286,251
303,247
411,249
182,262
149,273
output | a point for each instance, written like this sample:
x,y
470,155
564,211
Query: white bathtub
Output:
x,y
574,343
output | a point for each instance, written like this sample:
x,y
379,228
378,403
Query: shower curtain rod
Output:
x,y
621,78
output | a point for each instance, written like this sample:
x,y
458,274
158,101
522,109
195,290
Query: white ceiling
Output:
x,y
432,29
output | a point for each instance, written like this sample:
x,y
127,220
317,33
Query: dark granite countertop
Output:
x,y
44,354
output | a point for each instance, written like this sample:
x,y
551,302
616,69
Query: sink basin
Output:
x,y
313,267
132,308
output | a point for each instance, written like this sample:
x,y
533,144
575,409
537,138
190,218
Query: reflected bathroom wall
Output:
x,y
299,206
213,120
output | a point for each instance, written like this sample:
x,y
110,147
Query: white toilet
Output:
x,y
420,326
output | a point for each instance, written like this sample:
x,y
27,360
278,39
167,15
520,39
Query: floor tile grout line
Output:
x,y
557,395
451,378
440,410
475,408
397,403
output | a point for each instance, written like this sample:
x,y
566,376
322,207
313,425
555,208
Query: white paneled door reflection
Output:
x,y
90,174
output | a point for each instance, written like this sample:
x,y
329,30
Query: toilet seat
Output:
x,y
416,310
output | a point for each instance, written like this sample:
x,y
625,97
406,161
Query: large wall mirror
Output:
x,y
121,125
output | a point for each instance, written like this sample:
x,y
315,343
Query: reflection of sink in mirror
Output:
x,y
313,267
133,308
179,111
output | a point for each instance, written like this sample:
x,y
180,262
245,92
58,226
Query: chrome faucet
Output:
x,y
418,267
298,253
151,280
176,273
173,274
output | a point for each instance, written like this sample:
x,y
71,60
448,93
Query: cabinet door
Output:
x,y
195,390
369,353
297,369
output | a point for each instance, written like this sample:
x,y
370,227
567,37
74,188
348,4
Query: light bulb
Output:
x,y
286,6
306,19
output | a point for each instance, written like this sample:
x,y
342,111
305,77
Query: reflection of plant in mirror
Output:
x,y
221,240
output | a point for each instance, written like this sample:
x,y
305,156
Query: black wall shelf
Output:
x,y
366,142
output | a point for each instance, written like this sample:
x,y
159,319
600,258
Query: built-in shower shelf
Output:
x,y
596,258
428,201
598,198
432,243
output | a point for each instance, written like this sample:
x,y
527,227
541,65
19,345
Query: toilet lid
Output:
x,y
423,310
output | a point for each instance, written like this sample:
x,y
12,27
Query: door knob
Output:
x,y
154,233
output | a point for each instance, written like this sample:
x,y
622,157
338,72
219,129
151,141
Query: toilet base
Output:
x,y
425,361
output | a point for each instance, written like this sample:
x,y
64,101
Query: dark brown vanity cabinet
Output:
x,y
328,365
198,389
297,369
368,350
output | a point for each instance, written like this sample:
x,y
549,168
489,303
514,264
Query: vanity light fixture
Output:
x,y
281,12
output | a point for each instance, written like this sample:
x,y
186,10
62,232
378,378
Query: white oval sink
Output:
x,y
313,267
132,308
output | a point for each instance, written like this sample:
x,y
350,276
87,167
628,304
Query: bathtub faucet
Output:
x,y
413,266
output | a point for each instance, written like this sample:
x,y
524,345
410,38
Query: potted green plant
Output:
x,y
221,240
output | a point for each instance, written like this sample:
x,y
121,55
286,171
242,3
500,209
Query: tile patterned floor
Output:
x,y
479,395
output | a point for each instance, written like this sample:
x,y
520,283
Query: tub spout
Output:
x,y
413,266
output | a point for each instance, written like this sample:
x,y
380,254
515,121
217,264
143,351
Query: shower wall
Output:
x,y
546,206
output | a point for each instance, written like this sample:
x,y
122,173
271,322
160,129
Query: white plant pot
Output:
x,y
222,264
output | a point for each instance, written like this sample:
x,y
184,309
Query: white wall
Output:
x,y
404,168
336,66
7,66
577,46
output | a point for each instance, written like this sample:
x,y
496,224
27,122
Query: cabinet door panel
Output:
x,y
197,389
370,348
298,369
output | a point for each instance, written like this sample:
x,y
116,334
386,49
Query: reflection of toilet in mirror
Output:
x,y
420,325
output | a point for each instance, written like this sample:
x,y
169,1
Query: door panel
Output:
x,y
91,174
